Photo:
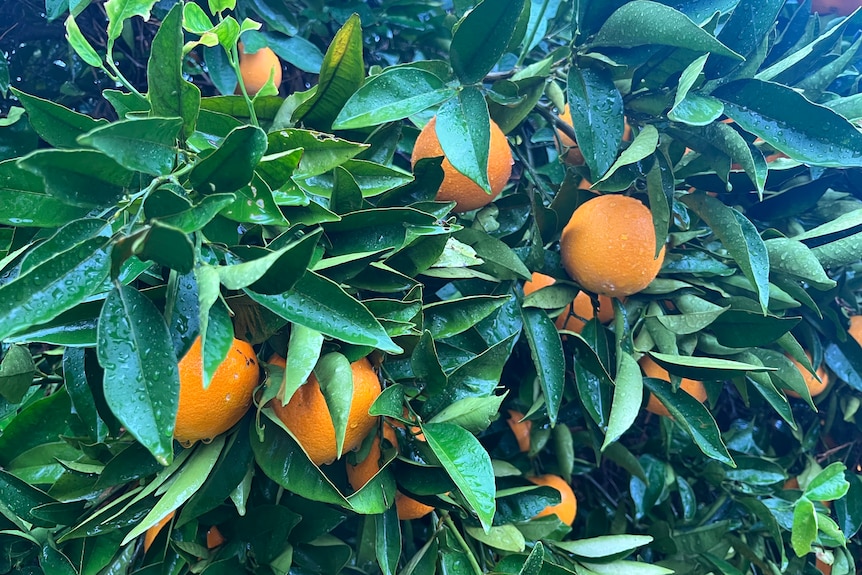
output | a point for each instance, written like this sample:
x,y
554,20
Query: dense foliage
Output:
x,y
294,220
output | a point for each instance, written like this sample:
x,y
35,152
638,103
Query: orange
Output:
x,y
855,329
154,531
521,429
536,282
361,473
456,187
567,508
608,246
214,537
307,416
792,483
692,387
256,69
814,386
823,567
582,307
205,413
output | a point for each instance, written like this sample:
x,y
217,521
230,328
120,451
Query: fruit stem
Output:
x,y
463,543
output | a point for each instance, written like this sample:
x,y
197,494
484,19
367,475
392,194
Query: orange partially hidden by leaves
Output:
x,y
609,246
361,473
521,429
307,416
582,307
206,413
692,387
214,537
256,69
456,187
855,329
567,508
536,282
815,386
792,483
154,531
823,567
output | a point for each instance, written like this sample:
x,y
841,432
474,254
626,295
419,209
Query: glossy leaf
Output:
x,y
447,318
628,395
25,203
16,374
597,117
56,124
828,485
463,128
232,165
141,376
546,351
481,37
147,145
804,527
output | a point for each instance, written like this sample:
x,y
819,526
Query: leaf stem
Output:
x,y
234,62
447,519
119,75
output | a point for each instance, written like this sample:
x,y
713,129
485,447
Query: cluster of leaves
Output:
x,y
297,224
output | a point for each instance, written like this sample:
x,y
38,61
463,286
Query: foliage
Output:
x,y
296,223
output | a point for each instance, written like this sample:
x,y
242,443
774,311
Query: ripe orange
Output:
x,y
361,473
521,429
567,508
792,483
855,329
537,282
256,69
582,307
608,246
214,537
307,416
692,387
814,386
154,531
205,413
823,567
457,187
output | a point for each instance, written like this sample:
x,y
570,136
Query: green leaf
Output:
x,y
56,124
481,36
80,44
297,51
790,123
336,383
533,563
371,178
25,204
146,145
141,376
303,352
392,95
643,22
740,239
467,463
749,23
500,260
447,318
119,11
341,74
271,272
804,527
606,546
170,95
321,152
693,417
828,485
20,499
546,351
642,147
255,204
837,242
463,128
53,286
474,414
597,116
628,396
504,537
705,368
232,165
627,567
79,177
190,218
740,328
323,306
185,482
83,394
16,373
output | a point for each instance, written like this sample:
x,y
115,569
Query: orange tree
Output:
x,y
295,222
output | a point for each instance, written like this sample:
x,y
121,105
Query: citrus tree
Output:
x,y
528,287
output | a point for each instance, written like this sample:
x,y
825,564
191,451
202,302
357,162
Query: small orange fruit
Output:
x,y
792,483
608,246
256,69
582,307
567,508
214,537
537,282
361,473
691,386
205,413
814,386
855,329
457,187
307,416
154,531
521,429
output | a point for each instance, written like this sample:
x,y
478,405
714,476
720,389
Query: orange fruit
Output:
x,y
691,386
521,429
537,282
214,537
582,307
792,483
823,567
814,386
855,329
456,187
205,413
361,473
608,246
567,508
154,531
256,69
307,416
